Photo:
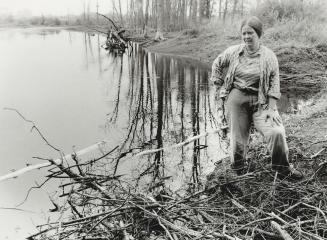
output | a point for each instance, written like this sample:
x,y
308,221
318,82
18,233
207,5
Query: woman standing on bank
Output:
x,y
251,86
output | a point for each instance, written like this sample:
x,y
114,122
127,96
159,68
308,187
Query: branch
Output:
x,y
281,231
29,191
17,209
187,141
51,162
317,154
33,127
112,22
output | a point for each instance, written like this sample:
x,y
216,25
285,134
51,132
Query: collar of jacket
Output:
x,y
242,50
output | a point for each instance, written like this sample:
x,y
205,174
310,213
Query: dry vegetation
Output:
x,y
255,205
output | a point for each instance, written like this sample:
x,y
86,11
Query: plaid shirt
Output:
x,y
224,66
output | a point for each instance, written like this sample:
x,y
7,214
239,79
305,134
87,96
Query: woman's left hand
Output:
x,y
273,116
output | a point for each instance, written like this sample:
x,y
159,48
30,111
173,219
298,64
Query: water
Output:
x,y
78,94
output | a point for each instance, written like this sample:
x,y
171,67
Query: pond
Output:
x,y
78,94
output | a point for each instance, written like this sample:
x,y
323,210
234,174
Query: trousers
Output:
x,y
243,111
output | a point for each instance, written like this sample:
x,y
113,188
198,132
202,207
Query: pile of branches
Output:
x,y
115,36
256,205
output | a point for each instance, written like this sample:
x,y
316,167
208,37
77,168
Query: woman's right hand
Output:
x,y
272,115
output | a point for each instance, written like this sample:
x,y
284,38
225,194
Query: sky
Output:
x,y
52,7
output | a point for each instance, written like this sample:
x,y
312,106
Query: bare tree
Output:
x,y
97,11
140,17
225,10
84,11
234,9
168,14
194,10
220,8
205,9
183,13
159,33
120,13
154,11
146,19
88,12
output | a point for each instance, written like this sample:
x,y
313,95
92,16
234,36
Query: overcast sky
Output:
x,y
53,7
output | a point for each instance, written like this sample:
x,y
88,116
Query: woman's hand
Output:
x,y
273,116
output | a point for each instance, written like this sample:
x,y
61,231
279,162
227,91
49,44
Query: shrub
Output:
x,y
193,32
56,21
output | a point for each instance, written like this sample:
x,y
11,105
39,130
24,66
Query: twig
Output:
x,y
17,209
30,190
184,230
107,215
34,127
240,206
291,207
322,141
318,153
281,231
163,226
317,209
253,222
181,144
112,22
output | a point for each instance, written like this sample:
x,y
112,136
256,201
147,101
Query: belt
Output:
x,y
247,90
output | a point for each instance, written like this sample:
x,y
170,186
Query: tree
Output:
x,y
146,18
220,8
195,10
160,16
140,17
234,9
205,9
225,10
120,13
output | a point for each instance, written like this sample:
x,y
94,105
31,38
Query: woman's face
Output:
x,y
250,37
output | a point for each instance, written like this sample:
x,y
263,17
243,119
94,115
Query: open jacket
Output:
x,y
224,66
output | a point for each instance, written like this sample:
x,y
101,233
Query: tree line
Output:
x,y
174,15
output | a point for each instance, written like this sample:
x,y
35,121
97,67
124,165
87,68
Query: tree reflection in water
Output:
x,y
165,101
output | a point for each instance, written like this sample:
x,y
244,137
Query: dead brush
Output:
x,y
255,205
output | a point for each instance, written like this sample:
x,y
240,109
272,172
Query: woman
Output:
x,y
251,86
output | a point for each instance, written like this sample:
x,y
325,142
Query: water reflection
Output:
x,y
165,101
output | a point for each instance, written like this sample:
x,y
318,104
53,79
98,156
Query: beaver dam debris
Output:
x,y
115,40
115,37
97,204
